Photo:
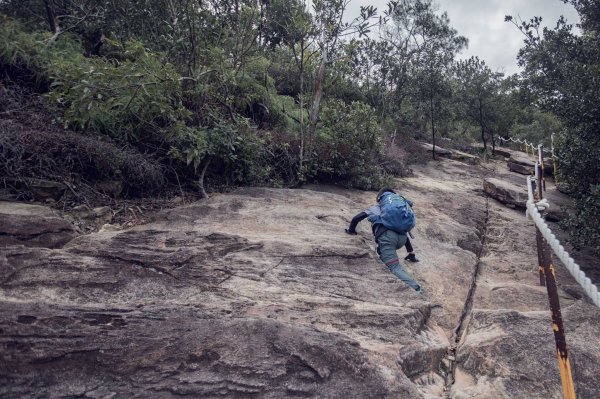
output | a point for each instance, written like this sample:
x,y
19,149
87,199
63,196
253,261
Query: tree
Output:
x,y
562,74
433,61
406,70
479,92
329,17
289,22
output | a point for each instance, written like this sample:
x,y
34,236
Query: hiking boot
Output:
x,y
411,258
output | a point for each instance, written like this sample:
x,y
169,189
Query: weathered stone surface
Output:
x,y
505,192
20,208
147,352
513,348
285,307
33,226
560,204
260,293
453,154
522,159
438,150
99,215
500,151
463,156
503,152
520,168
525,165
521,163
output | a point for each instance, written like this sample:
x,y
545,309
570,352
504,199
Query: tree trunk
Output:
x,y
432,126
316,105
302,129
482,127
51,16
203,193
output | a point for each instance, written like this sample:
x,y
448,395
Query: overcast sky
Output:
x,y
482,22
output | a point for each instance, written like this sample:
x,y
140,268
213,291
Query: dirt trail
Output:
x,y
259,293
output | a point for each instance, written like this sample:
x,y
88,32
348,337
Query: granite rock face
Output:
x,y
522,168
525,165
506,192
260,293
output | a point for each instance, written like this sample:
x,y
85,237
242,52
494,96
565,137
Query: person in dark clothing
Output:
x,y
388,241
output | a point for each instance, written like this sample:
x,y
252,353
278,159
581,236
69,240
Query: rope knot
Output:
x,y
542,205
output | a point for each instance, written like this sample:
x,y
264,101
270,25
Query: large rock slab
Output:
x,y
260,293
33,226
147,352
463,156
503,152
453,154
506,192
438,150
532,362
521,164
525,165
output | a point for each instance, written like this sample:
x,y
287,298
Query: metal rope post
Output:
x,y
548,271
539,244
541,161
535,192
564,365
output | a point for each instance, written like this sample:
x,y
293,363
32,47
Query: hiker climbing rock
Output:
x,y
391,219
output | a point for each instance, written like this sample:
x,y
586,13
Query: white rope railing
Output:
x,y
524,142
533,212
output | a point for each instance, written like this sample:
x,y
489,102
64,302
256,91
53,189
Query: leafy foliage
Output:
x,y
562,72
585,224
130,99
25,57
535,125
480,95
249,91
349,145
224,87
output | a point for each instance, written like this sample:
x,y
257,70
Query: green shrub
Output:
x,y
232,148
349,146
535,126
255,97
579,169
584,225
26,57
138,98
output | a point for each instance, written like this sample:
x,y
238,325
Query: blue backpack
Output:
x,y
396,213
